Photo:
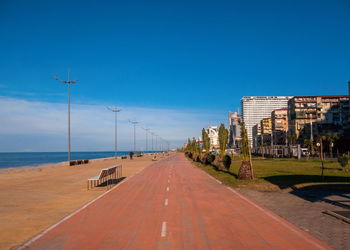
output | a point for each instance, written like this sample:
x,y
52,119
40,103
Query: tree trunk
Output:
x,y
245,171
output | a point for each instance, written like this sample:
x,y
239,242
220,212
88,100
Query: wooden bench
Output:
x,y
106,175
78,162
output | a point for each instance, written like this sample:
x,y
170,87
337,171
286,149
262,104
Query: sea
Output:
x,y
13,160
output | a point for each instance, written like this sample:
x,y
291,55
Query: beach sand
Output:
x,y
34,198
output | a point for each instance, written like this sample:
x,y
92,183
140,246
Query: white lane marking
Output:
x,y
167,189
163,232
26,244
276,218
166,202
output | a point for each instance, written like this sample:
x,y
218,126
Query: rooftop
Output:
x,y
324,96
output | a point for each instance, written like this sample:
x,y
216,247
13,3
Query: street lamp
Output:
x,y
69,83
156,141
160,143
134,123
152,139
115,110
146,129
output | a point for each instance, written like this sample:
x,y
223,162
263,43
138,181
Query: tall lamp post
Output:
x,y
156,141
134,123
152,139
115,111
146,129
69,83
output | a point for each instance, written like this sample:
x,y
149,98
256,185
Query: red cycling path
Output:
x,y
173,205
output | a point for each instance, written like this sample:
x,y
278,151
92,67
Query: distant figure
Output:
x,y
131,154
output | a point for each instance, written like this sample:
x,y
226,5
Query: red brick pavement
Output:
x,y
173,205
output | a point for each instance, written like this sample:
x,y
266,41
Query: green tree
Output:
x,y
206,140
245,143
223,137
246,170
188,146
195,146
343,160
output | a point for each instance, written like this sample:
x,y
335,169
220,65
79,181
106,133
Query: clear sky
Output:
x,y
183,64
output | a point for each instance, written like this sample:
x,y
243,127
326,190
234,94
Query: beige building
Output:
x,y
256,135
266,130
310,116
266,126
279,120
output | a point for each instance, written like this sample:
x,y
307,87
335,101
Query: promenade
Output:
x,y
173,205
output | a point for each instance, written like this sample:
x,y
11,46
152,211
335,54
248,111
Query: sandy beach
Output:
x,y
34,198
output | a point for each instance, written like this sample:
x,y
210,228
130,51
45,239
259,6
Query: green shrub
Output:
x,y
204,158
196,158
210,158
218,164
343,160
189,154
226,161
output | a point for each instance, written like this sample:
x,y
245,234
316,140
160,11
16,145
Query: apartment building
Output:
x,y
266,131
256,130
255,108
234,120
310,116
279,121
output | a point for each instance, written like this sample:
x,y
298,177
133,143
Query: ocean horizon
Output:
x,y
20,159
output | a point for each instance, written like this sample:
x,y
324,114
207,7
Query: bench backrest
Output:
x,y
108,171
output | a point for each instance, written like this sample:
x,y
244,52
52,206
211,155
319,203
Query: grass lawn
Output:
x,y
274,174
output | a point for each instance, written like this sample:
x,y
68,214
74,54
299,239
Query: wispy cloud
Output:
x,y
42,126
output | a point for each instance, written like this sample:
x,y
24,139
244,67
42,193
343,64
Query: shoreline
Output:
x,y
46,165
55,164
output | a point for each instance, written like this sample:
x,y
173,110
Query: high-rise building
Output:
x,y
234,120
255,108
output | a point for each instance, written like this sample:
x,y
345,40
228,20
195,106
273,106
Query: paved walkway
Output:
x,y
305,208
173,205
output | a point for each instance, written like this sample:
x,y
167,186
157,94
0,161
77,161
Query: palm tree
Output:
x,y
330,138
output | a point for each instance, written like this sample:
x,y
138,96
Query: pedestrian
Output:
x,y
131,154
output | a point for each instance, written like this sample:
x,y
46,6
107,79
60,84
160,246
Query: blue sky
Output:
x,y
194,58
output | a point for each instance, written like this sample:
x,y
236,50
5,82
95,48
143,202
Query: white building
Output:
x,y
234,120
213,133
255,108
